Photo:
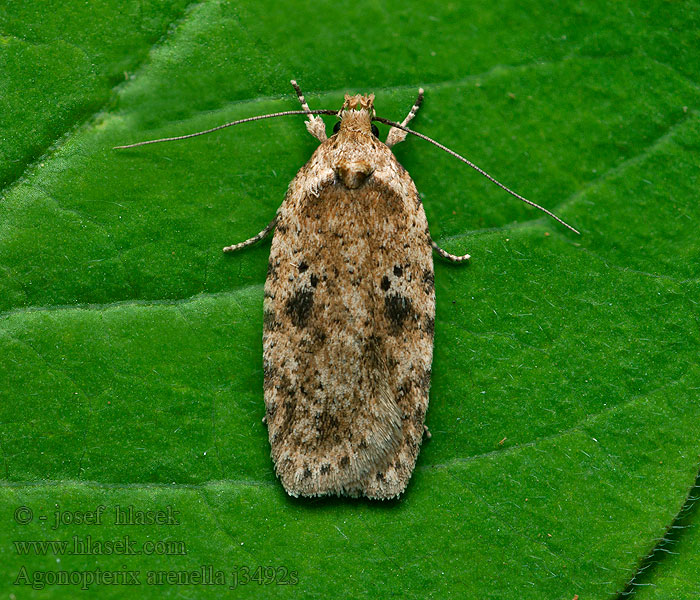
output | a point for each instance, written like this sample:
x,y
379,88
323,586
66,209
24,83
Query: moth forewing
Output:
x,y
349,315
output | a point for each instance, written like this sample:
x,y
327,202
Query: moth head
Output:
x,y
356,115
359,103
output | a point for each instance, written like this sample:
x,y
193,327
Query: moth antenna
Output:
x,y
257,118
396,135
315,125
479,170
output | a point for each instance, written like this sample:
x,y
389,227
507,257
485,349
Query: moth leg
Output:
x,y
255,238
447,255
397,135
426,432
315,125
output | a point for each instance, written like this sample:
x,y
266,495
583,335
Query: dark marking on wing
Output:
x,y
404,389
397,308
429,324
299,306
386,284
429,281
318,337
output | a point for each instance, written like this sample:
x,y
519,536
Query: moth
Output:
x,y
349,310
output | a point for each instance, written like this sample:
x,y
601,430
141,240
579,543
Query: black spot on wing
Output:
x,y
397,309
272,270
386,284
299,306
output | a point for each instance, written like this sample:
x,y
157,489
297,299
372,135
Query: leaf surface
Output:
x,y
564,403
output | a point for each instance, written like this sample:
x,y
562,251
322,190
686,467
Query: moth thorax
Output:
x,y
356,121
353,173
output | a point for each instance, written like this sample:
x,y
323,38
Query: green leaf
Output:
x,y
564,404
670,571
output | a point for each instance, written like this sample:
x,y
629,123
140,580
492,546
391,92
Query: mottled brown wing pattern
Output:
x,y
348,327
